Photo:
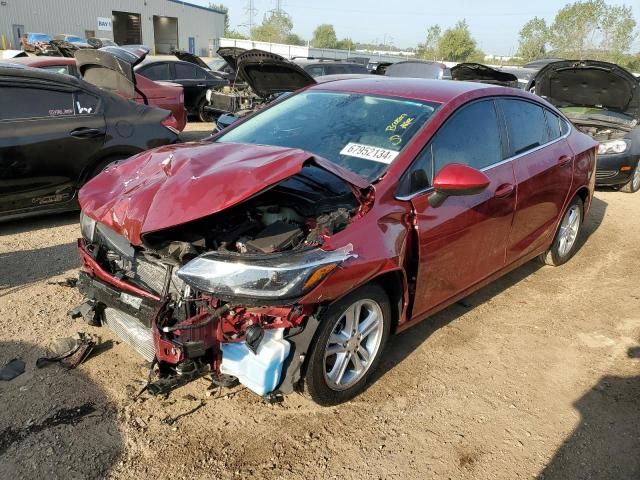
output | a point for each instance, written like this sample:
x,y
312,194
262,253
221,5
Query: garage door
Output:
x,y
165,34
127,29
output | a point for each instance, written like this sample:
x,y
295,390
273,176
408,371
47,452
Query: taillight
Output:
x,y
171,123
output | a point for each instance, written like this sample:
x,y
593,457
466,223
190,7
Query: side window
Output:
x,y
86,104
315,71
202,73
336,69
471,137
185,71
526,125
156,71
23,103
564,126
64,69
553,122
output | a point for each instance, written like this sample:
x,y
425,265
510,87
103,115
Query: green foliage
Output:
x,y
534,36
592,29
429,49
276,28
324,36
456,43
346,44
295,39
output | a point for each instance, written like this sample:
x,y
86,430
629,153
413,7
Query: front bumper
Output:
x,y
615,169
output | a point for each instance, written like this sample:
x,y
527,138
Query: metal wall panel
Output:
x,y
77,16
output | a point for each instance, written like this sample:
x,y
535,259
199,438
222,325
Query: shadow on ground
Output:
x,y
402,345
606,443
27,266
54,423
32,224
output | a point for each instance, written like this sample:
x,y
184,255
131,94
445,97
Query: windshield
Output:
x,y
362,133
39,37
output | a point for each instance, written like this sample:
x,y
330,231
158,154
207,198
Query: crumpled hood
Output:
x,y
175,184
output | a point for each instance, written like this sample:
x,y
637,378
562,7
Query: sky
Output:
x,y
493,23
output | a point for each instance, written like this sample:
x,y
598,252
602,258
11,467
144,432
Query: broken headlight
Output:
x,y
87,227
612,146
271,277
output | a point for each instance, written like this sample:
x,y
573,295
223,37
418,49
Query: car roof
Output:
x,y
28,73
440,91
41,61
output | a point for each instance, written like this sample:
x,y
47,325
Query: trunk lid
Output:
x,y
477,72
176,184
191,58
589,83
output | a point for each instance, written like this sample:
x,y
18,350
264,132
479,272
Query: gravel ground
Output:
x,y
537,376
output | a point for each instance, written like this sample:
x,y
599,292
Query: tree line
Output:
x,y
583,29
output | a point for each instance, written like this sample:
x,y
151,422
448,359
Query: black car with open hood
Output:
x,y
477,72
602,99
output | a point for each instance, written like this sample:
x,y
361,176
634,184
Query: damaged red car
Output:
x,y
284,251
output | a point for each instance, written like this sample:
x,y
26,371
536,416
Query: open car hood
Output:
x,y
477,72
64,48
110,68
589,83
267,73
191,58
230,55
176,184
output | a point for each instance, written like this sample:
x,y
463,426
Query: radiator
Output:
x,y
131,331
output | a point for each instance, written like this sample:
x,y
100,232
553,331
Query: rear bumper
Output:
x,y
615,169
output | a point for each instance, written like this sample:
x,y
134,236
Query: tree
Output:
x,y
346,44
533,39
324,36
617,27
295,39
456,43
276,28
430,49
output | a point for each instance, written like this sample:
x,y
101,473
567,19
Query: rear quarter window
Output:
x,y
21,103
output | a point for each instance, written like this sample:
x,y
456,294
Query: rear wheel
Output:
x,y
633,185
564,245
352,335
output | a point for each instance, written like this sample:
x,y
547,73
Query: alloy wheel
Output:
x,y
353,344
569,230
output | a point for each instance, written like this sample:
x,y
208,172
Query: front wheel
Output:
x,y
203,114
564,245
633,185
352,335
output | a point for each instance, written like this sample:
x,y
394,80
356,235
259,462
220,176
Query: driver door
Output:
x,y
464,240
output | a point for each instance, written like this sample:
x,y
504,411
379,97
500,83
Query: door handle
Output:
x,y
504,190
201,85
564,160
84,132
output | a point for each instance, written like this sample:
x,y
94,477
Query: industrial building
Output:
x,y
162,25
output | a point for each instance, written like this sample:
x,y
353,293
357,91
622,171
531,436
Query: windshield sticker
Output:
x,y
395,139
403,121
375,154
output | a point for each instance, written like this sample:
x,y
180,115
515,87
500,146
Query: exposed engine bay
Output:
x,y
183,328
602,133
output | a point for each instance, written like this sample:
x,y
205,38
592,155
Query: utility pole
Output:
x,y
251,11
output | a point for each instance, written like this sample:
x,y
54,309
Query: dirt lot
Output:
x,y
537,376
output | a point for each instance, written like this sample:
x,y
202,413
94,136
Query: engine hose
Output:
x,y
217,313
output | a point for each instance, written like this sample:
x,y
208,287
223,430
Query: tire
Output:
x,y
203,115
568,232
633,185
104,163
325,381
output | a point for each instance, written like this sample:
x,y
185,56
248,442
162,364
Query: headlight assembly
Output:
x,y
87,227
269,277
612,146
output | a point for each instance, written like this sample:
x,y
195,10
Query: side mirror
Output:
x,y
455,180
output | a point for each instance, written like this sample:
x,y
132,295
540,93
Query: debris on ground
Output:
x,y
67,282
69,351
12,369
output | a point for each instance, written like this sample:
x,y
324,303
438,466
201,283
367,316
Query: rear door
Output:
x,y
464,240
47,136
543,165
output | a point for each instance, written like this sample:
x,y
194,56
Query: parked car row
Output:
x,y
284,250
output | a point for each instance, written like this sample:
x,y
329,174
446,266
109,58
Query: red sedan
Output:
x,y
165,95
284,252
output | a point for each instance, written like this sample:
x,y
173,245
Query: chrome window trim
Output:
x,y
506,160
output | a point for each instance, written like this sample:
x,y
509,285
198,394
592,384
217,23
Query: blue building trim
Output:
x,y
187,4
